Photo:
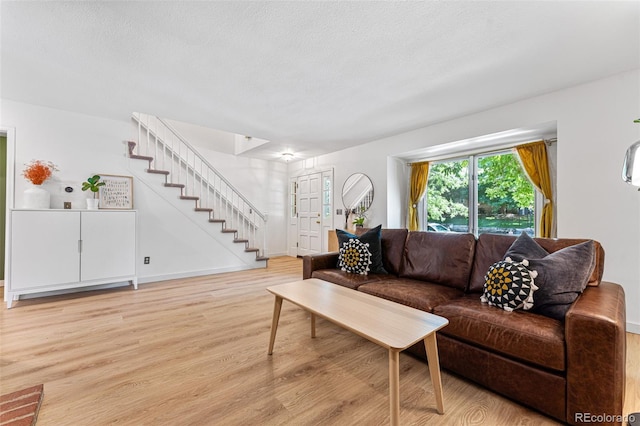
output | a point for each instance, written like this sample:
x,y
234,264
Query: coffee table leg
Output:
x,y
274,322
394,387
431,346
313,325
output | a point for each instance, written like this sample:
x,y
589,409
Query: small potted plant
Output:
x,y
358,221
92,184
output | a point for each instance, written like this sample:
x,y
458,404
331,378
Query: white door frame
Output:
x,y
326,221
10,133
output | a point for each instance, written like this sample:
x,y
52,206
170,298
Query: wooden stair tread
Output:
x,y
174,185
189,197
140,157
203,209
240,240
249,249
262,258
217,220
229,231
158,172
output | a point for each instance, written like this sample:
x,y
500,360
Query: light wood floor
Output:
x,y
194,352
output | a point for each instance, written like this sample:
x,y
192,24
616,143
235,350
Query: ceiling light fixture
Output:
x,y
287,156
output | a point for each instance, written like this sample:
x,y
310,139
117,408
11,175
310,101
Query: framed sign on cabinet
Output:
x,y
117,192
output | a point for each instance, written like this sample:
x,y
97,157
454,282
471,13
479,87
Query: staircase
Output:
x,y
170,155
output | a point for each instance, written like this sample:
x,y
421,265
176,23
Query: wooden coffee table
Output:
x,y
389,324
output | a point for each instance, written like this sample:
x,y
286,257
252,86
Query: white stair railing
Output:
x,y
189,170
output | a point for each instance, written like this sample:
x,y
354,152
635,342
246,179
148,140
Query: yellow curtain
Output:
x,y
419,176
533,157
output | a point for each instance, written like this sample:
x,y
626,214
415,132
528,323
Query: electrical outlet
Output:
x,y
147,260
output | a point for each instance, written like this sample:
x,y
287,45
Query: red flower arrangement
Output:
x,y
39,171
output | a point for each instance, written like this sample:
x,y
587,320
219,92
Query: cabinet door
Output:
x,y
108,245
44,248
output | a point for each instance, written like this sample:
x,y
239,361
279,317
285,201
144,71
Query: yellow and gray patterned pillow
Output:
x,y
509,285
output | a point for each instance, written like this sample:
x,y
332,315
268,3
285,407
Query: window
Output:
x,y
293,198
506,197
326,196
448,196
486,193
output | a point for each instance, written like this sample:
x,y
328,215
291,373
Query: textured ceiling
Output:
x,y
311,77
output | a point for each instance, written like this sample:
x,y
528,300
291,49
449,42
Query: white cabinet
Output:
x,y
64,249
108,245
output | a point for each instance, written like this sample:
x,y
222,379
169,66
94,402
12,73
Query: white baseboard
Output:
x,y
141,280
189,274
75,290
634,328
284,253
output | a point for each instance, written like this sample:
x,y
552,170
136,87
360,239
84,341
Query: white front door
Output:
x,y
309,214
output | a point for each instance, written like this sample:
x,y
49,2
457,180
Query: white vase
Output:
x,y
92,203
36,197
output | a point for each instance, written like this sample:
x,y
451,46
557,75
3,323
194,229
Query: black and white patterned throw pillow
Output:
x,y
509,285
355,257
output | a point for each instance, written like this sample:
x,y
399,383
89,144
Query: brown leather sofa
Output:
x,y
566,369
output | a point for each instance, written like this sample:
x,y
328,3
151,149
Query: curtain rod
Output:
x,y
500,148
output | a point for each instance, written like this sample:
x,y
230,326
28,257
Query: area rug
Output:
x,y
21,408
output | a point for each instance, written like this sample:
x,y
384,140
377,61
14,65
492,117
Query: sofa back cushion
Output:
x,y
491,248
440,258
392,243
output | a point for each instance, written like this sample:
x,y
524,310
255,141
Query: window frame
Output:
x,y
473,195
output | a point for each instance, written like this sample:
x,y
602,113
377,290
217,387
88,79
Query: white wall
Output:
x,y
595,127
373,163
81,145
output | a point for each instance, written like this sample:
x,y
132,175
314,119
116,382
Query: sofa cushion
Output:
x,y
370,237
441,258
417,294
392,243
491,248
525,336
562,275
346,279
509,285
354,257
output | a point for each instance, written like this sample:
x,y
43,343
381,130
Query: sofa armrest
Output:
x,y
595,333
314,262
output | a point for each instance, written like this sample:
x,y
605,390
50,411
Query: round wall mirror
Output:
x,y
357,193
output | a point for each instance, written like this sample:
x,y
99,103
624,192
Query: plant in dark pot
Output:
x,y
92,184
359,221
